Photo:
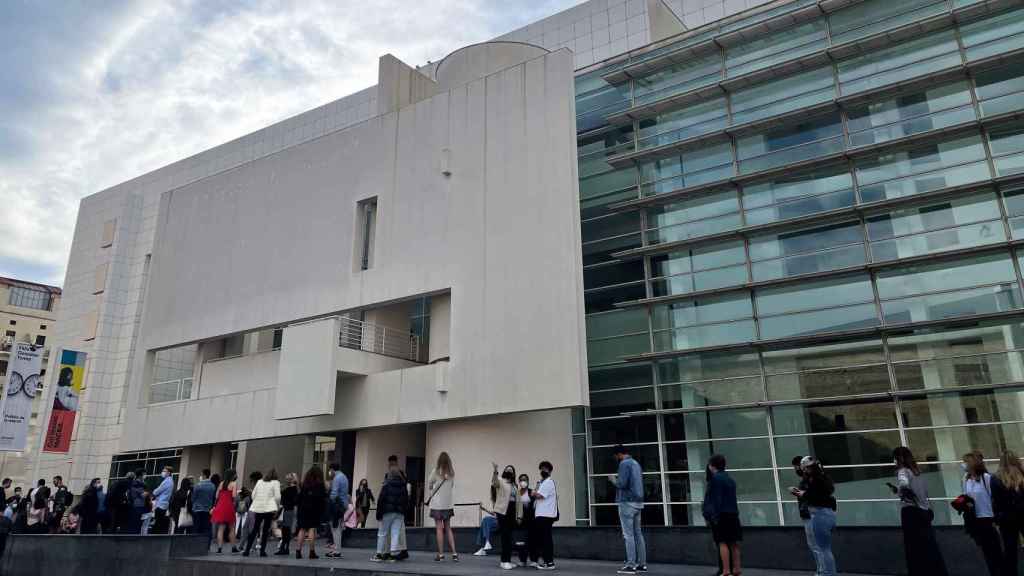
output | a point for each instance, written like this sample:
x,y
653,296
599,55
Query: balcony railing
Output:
x,y
359,335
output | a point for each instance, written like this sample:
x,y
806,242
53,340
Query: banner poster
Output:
x,y
22,383
70,376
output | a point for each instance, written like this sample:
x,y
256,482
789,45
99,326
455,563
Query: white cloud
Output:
x,y
101,94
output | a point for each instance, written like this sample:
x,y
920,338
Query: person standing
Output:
x,y
1008,497
89,507
223,515
312,505
266,499
822,506
523,536
722,513
5,487
338,506
140,502
181,508
289,499
804,509
61,500
391,507
364,499
545,515
162,502
508,508
442,507
922,550
204,496
980,520
629,495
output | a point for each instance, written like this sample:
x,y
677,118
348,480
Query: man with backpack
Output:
x,y
62,499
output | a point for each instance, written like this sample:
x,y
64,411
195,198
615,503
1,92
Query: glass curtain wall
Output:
x,y
819,262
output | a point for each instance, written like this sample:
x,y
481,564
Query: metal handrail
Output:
x,y
368,337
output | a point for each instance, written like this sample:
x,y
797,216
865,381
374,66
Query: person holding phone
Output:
x,y
805,512
822,506
919,544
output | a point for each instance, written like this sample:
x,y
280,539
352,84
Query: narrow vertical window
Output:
x,y
366,228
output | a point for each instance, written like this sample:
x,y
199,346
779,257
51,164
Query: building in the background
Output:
x,y
28,313
799,225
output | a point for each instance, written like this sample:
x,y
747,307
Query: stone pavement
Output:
x,y
356,562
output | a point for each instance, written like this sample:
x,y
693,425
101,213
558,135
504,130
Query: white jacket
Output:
x,y
266,497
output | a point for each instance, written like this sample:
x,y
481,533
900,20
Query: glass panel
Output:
x,y
773,49
630,375
751,514
605,299
820,321
842,416
788,144
807,251
703,310
604,143
693,120
868,18
985,370
597,205
613,273
750,485
963,273
1007,143
956,408
841,449
691,162
827,370
716,424
704,336
635,430
1000,90
698,258
610,226
819,294
993,36
910,114
614,349
916,170
918,57
693,456
616,323
938,241
603,462
783,95
602,250
949,444
898,233
678,78
987,300
614,403
693,217
164,392
712,393
604,491
698,281
798,194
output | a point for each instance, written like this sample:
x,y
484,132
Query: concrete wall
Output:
x,y
374,445
32,555
516,319
522,440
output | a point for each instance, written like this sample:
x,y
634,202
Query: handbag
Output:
x,y
184,518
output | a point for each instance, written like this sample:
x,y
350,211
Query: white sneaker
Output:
x,y
506,566
487,547
480,552
532,564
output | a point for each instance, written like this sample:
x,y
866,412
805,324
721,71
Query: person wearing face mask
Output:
x,y
89,506
509,509
523,541
162,502
980,518
545,515
629,495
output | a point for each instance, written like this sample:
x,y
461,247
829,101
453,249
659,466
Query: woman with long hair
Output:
x,y
440,485
312,505
509,508
266,498
1008,495
919,544
289,499
980,519
223,515
181,501
364,499
822,506
89,506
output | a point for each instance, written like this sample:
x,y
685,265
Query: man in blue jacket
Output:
x,y
629,495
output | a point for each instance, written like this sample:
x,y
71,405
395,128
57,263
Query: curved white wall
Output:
x,y
480,60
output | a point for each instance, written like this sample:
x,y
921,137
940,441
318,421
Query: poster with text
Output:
x,y
22,384
70,375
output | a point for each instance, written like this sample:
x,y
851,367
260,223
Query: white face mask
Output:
x,y
163,474
523,483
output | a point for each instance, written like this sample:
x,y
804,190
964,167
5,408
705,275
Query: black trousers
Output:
x,y
545,542
261,523
919,544
507,527
1010,529
161,521
987,538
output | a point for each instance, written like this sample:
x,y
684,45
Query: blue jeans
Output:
x,y
823,520
488,524
632,533
812,545
391,524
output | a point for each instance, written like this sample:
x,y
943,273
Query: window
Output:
x,y
40,340
173,374
3,367
909,114
953,224
42,326
26,297
917,57
797,142
366,227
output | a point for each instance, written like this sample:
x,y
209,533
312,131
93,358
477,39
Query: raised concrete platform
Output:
x,y
356,563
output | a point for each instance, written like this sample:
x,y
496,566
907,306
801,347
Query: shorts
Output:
x,y
727,530
442,515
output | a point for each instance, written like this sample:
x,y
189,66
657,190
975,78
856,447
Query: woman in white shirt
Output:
x,y
266,499
440,485
981,521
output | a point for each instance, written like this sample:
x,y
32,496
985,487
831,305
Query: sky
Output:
x,y
96,92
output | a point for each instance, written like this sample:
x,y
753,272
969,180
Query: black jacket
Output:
x,y
1007,504
820,490
393,497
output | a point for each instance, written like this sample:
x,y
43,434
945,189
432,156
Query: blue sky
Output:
x,y
94,92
